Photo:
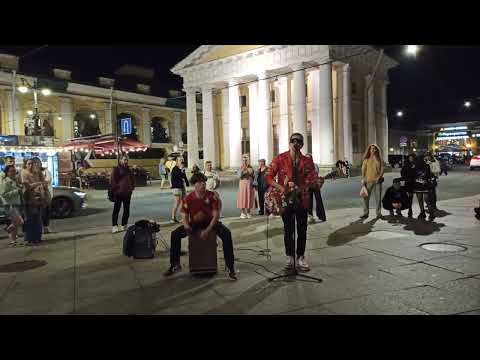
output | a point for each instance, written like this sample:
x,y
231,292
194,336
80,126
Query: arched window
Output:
x,y
86,124
159,130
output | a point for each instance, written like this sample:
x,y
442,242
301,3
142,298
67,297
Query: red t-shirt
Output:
x,y
200,210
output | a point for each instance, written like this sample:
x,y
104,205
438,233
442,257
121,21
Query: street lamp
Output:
x,y
467,104
412,50
399,113
24,88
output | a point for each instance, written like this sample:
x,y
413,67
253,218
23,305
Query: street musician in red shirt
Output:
x,y
291,175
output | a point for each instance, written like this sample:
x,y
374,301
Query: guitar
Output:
x,y
276,201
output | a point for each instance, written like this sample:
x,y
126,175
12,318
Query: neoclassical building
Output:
x,y
75,110
255,96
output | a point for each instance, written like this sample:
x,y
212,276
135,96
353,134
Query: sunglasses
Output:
x,y
295,140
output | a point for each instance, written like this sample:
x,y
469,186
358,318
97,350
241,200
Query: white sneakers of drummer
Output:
x,y
302,263
289,264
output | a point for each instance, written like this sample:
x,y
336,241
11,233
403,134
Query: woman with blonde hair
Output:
x,y
246,192
372,178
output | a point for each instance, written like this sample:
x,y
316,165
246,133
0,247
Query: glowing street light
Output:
x,y
92,116
467,104
45,92
399,113
30,112
412,50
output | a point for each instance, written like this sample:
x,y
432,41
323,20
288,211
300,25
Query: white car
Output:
x,y
475,162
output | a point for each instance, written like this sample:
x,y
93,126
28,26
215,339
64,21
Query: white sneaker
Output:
x,y
249,216
123,227
289,264
302,264
243,216
115,229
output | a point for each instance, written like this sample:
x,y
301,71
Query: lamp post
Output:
x,y
25,88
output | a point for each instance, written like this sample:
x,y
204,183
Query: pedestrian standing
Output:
x,y
179,181
162,172
320,210
36,198
213,180
123,184
246,192
408,175
372,178
443,166
435,171
11,197
261,185
46,213
423,186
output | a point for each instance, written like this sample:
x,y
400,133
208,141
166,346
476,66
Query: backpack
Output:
x,y
140,240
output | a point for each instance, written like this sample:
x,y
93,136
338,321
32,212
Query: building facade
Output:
x,y
77,110
255,96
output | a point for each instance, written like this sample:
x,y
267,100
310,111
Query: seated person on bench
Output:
x,y
395,198
201,211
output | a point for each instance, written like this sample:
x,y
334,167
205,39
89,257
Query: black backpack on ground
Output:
x,y
140,240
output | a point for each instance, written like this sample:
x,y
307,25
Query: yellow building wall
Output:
x,y
226,51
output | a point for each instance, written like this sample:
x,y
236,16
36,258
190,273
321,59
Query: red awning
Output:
x,y
104,144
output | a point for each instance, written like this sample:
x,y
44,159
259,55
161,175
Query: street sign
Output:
x,y
126,125
403,141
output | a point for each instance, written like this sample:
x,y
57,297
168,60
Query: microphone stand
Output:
x,y
294,206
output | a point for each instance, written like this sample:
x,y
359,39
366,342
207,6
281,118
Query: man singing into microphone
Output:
x,y
295,175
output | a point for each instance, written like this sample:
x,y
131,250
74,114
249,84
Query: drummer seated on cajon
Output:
x,y
201,211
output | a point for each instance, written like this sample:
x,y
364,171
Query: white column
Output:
x,y
14,124
264,127
347,114
225,129
382,126
299,101
146,125
322,123
192,128
209,130
177,132
371,128
108,118
253,119
66,112
235,126
283,135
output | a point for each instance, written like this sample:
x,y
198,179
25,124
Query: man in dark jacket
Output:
x,y
123,184
178,180
396,198
408,175
261,185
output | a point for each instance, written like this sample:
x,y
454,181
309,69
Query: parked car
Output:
x,y
475,162
66,202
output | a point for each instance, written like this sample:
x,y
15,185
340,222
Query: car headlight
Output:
x,y
80,194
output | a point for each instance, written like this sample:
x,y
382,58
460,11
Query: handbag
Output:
x,y
110,195
364,192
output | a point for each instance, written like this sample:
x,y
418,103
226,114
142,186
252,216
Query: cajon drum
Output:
x,y
202,253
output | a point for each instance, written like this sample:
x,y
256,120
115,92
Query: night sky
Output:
x,y
430,88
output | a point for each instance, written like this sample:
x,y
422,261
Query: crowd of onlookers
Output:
x,y
25,197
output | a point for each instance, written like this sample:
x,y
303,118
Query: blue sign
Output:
x,y
126,124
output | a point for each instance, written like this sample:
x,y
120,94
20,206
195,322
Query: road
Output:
x,y
154,204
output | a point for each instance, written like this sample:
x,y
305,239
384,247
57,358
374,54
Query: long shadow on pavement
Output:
x,y
419,227
350,232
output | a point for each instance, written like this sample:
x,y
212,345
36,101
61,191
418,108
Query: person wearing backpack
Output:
x,y
122,186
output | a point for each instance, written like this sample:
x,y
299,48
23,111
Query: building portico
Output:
x,y
255,96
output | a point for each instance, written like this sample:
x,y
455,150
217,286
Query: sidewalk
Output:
x,y
367,267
